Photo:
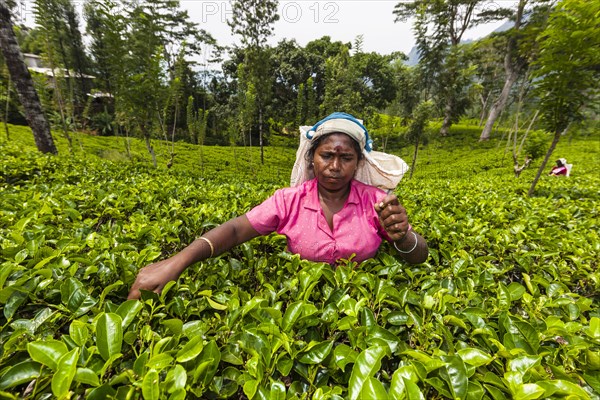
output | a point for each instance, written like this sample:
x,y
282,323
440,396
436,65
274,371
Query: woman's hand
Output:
x,y
154,277
392,217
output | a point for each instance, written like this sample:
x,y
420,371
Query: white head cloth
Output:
x,y
377,169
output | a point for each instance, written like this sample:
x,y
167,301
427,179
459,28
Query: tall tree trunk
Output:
x,y
260,135
484,102
174,127
146,135
61,105
24,84
555,140
150,149
75,47
512,73
447,116
6,108
414,160
117,129
499,104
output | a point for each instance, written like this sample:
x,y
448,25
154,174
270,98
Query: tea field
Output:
x,y
507,305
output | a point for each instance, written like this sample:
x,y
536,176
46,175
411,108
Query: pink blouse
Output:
x,y
296,213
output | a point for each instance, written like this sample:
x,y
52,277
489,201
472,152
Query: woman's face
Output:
x,y
335,161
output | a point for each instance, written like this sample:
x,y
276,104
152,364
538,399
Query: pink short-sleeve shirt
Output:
x,y
296,213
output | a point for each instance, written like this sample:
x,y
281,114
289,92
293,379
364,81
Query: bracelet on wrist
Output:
x,y
412,249
212,248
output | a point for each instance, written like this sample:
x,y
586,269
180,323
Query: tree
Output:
x,y
253,21
410,89
5,99
106,28
301,106
567,69
318,52
376,81
340,85
24,84
196,124
486,55
64,48
246,103
439,27
515,59
293,66
416,130
143,56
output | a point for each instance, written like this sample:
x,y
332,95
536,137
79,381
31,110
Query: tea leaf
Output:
x,y
367,363
87,376
47,352
128,310
75,297
316,353
20,373
455,374
109,334
191,349
373,389
65,372
150,388
474,357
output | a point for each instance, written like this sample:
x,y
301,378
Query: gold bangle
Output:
x,y
212,248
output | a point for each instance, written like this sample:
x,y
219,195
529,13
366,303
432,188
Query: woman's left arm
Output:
x,y
393,218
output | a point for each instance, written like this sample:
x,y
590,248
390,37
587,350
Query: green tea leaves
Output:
x,y
109,334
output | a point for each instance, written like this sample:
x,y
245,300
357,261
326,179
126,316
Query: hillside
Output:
x,y
507,305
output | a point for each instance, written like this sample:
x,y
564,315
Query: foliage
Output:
x,y
148,57
536,144
505,307
438,27
416,129
21,79
567,66
62,47
416,132
253,22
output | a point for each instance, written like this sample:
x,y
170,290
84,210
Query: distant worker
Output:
x,y
561,168
340,204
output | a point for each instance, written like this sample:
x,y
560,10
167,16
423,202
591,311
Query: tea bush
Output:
x,y
505,307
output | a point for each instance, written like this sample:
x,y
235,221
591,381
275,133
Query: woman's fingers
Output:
x,y
152,278
389,200
392,216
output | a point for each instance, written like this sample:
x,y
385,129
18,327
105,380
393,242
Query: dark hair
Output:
x,y
310,154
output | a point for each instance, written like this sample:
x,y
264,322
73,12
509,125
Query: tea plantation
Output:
x,y
507,305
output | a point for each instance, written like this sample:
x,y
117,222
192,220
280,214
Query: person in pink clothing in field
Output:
x,y
561,168
340,204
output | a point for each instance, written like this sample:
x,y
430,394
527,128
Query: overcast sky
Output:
x,y
306,20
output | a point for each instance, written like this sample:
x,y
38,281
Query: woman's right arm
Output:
x,y
155,276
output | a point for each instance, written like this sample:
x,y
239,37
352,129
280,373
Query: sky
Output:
x,y
306,20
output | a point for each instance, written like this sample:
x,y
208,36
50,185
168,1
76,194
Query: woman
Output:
x,y
561,168
326,215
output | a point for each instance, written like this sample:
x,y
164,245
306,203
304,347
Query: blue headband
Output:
x,y
342,115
